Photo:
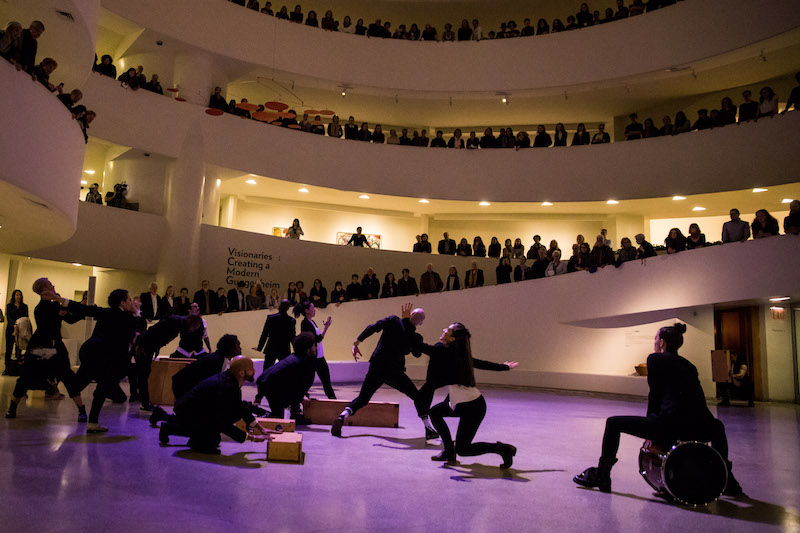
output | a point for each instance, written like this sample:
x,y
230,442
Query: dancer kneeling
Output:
x,y
452,365
676,410
286,382
212,408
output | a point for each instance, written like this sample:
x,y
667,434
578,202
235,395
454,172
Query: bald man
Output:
x,y
211,408
387,366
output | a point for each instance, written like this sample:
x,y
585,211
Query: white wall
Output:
x,y
561,175
666,38
776,344
710,226
145,177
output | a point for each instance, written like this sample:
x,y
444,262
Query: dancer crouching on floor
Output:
x,y
676,410
452,365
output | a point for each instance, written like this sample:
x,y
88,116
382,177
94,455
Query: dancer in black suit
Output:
x,y
388,364
47,357
285,383
279,330
676,410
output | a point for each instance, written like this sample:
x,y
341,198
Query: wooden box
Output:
x,y
285,447
374,414
285,424
720,366
160,382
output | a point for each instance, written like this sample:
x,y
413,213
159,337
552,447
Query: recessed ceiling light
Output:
x,y
84,182
780,299
777,308
698,208
760,189
364,197
219,182
77,264
787,201
546,204
251,182
302,189
424,201
504,100
612,202
90,172
677,198
484,203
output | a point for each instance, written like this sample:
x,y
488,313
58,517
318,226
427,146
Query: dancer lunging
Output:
x,y
452,365
676,410
388,364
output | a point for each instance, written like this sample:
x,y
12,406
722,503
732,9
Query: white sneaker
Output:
x,y
95,428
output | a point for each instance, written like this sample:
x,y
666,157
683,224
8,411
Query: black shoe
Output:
x,y
149,407
6,372
164,433
732,488
431,434
336,428
592,478
258,399
94,427
507,452
82,418
12,411
158,415
446,456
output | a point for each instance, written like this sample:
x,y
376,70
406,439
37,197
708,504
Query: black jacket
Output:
x,y
441,365
48,324
147,306
675,391
398,338
407,288
288,380
216,404
278,333
200,299
451,245
194,373
233,301
370,287
478,279
161,334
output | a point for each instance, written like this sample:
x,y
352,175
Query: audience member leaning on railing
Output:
x,y
584,18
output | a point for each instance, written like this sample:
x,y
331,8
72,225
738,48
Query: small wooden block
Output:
x,y
278,424
285,447
160,382
374,414
720,366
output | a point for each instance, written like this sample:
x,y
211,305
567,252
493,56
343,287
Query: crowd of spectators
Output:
x,y
467,31
20,46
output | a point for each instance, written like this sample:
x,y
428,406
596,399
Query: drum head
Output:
x,y
694,473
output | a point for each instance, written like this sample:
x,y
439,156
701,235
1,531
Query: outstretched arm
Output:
x,y
480,364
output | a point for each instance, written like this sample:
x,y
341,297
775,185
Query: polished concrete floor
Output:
x,y
53,477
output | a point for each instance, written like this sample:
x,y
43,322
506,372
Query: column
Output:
x,y
211,204
193,76
179,260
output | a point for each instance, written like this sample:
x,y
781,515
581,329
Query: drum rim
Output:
x,y
665,455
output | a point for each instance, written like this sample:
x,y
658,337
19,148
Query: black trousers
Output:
x,y
425,397
36,373
270,358
470,415
9,353
142,366
106,369
397,379
744,391
324,374
201,438
663,433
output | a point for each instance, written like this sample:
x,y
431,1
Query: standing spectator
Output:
x,y
791,224
488,140
503,271
560,136
283,14
154,86
542,28
764,225
29,46
627,252
316,127
70,99
542,139
377,135
311,19
389,289
347,25
94,196
318,295
364,134
474,277
477,31
413,33
601,137
539,266
645,249
703,121
637,8
464,32
452,283
748,110
508,250
417,245
695,238
357,239
682,123
206,299
296,15
464,249
553,248
370,285
351,130
253,4
430,281
407,286
533,251
581,137
393,138
334,128
438,141
222,301
494,248
295,231
727,112
650,129
16,308
633,131
354,290
254,301
338,294
519,249
794,96
527,30
106,67
675,241
267,9
217,101
522,141
360,28
129,80
237,301
768,103
184,303
583,261
456,141
602,254
556,267
735,230
473,142
478,249
447,246
11,43
151,308
584,16
42,72
448,34
622,11
429,33
424,244
667,128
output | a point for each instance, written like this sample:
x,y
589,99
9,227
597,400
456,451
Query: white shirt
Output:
x,y
320,351
154,299
477,33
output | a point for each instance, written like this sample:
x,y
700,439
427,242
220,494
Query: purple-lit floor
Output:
x,y
53,477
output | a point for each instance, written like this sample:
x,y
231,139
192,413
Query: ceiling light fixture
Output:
x,y
77,264
424,201
90,172
84,182
760,189
780,299
364,197
612,202
504,100
698,208
302,189
677,198
219,182
484,203
787,201
547,204
251,182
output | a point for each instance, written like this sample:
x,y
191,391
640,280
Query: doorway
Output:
x,y
737,330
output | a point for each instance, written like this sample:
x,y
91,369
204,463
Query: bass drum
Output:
x,y
691,473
